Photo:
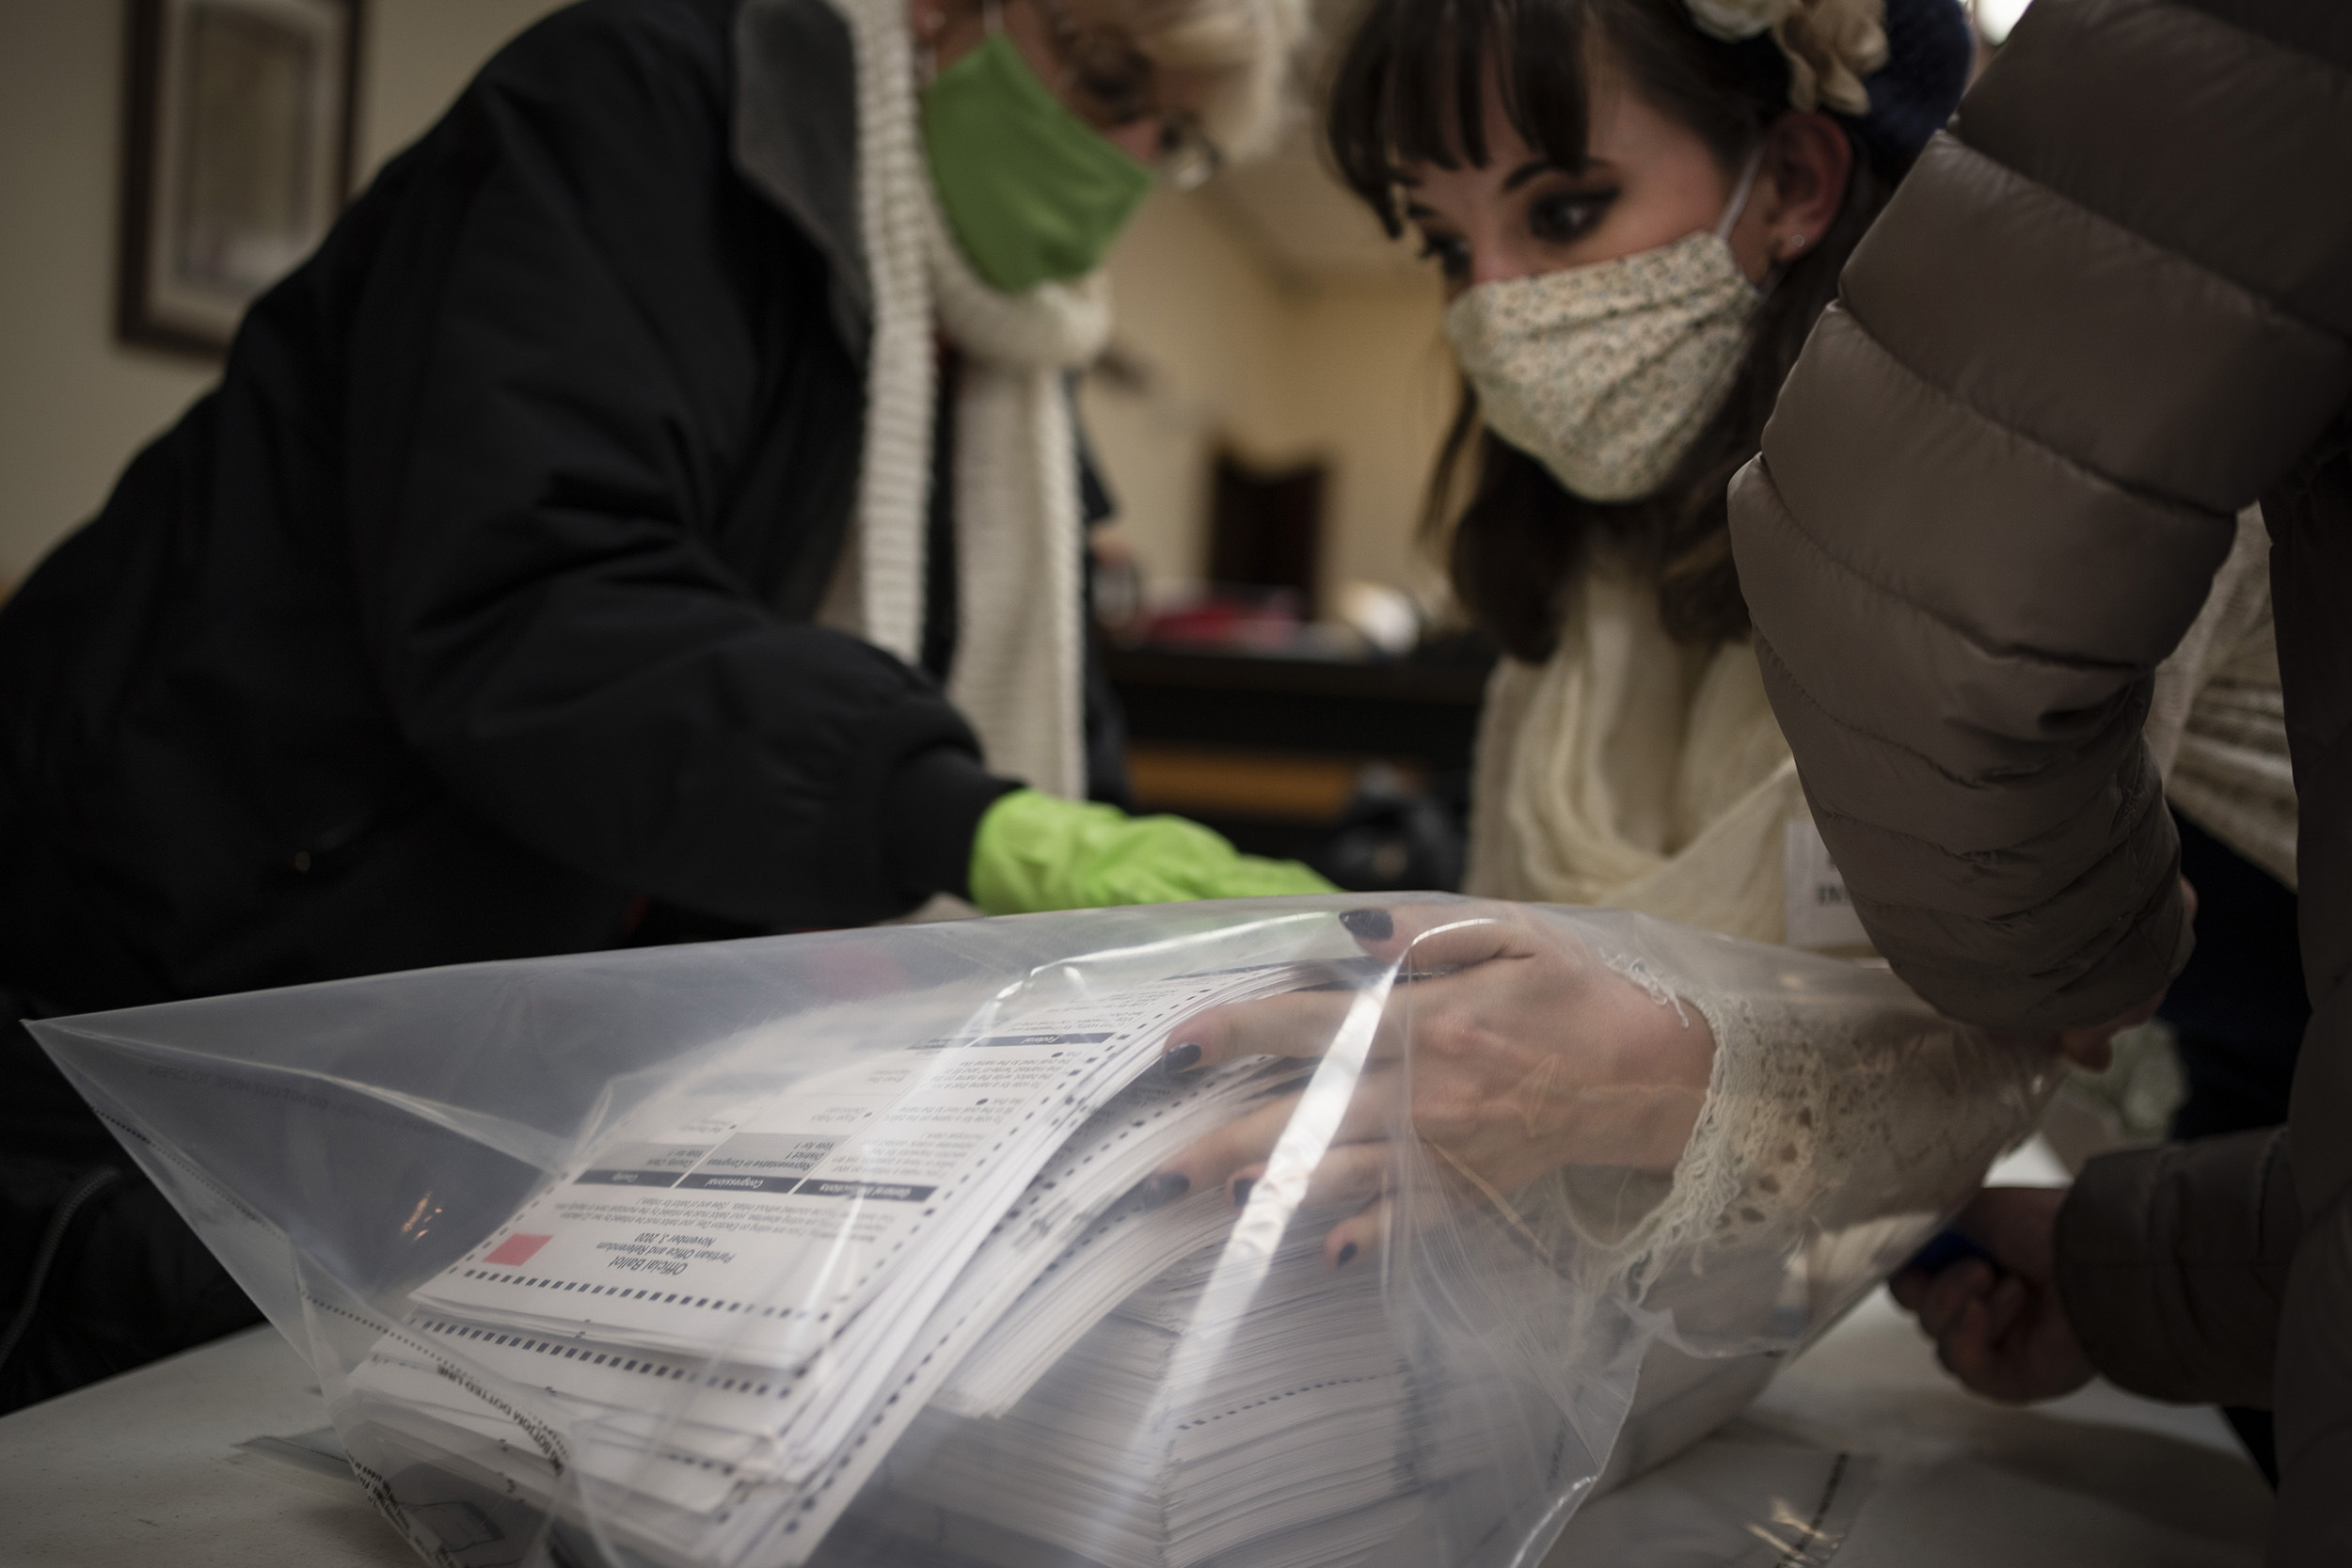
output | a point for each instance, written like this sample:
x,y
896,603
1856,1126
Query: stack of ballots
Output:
x,y
713,1329
1075,1427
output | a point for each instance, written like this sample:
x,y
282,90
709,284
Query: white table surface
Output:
x,y
2099,1479
154,1468
146,1469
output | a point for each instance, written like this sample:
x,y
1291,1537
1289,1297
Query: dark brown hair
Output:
x,y
1410,88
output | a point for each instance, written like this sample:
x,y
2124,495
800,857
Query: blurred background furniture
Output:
x,y
1359,766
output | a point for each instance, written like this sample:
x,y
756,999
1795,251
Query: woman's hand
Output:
x,y
1521,1051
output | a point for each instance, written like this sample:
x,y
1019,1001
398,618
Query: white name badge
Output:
x,y
1818,913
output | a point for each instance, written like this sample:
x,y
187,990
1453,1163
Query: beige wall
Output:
x,y
1372,386
1351,372
74,403
418,53
1208,327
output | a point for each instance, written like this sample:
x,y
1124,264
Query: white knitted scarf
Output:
x,y
1019,648
1633,771
1637,773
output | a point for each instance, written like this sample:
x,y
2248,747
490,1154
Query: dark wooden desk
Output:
x,y
1275,752
1424,715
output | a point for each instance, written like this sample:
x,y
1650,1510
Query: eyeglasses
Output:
x,y
1110,85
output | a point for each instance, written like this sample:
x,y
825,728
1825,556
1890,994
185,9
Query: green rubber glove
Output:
x,y
1041,852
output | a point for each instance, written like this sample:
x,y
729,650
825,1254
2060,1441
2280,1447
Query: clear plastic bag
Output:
x,y
858,1248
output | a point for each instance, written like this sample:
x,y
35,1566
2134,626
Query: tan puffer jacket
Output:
x,y
2111,309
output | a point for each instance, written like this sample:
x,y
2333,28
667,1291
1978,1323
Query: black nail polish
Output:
x,y
1165,1187
1347,1255
1241,1190
1181,1058
1368,924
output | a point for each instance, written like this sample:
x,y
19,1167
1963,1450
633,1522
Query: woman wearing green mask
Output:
x,y
655,508
653,512
1041,126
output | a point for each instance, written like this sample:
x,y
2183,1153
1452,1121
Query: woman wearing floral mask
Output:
x,y
1639,208
1639,212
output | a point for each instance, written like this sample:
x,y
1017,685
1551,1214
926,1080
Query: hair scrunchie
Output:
x,y
1831,46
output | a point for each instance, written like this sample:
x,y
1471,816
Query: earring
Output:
x,y
1796,242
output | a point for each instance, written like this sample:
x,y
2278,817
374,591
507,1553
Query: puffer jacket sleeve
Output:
x,y
2100,316
2195,1317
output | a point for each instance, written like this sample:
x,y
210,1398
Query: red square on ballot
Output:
x,y
518,1248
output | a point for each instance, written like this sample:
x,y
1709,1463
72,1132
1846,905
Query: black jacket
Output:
x,y
469,614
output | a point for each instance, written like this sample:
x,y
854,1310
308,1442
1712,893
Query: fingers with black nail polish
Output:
x,y
1180,1058
1368,924
1241,1190
1347,1255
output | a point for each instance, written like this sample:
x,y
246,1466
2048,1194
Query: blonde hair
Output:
x,y
1247,48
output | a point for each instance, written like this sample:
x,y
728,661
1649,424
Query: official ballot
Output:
x,y
738,1302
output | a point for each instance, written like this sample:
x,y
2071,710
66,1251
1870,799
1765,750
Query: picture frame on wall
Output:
x,y
237,157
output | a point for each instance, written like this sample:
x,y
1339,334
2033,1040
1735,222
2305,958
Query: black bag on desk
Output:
x,y
98,1274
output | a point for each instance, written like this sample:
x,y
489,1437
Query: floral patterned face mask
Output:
x,y
1606,374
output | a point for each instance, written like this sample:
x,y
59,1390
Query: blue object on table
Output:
x,y
1949,1248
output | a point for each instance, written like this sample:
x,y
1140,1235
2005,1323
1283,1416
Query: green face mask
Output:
x,y
1033,194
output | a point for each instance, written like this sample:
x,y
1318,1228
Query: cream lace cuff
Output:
x,y
1815,1119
